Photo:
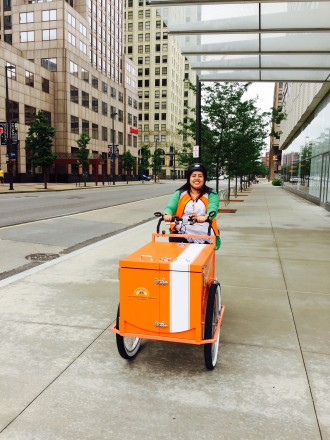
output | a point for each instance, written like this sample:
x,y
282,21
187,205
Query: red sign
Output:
x,y
134,130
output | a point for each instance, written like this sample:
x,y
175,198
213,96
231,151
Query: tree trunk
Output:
x,y
44,172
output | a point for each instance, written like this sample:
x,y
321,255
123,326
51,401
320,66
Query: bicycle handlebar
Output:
x,y
177,219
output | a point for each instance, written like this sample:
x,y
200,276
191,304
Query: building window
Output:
x,y
85,126
29,78
83,47
163,116
120,97
84,75
104,109
113,92
104,134
49,15
147,48
74,94
157,105
95,131
71,20
157,47
129,118
73,69
26,36
26,17
95,82
49,64
120,138
74,125
30,114
49,34
120,115
71,39
129,140
45,85
85,99
95,104
104,87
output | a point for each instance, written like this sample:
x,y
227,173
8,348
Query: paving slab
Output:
x,y
61,376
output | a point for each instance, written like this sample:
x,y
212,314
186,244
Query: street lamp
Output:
x,y
113,155
9,140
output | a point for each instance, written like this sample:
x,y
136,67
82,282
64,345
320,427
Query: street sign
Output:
x,y
14,132
3,133
195,151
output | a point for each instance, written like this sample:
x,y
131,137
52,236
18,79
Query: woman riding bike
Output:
x,y
194,201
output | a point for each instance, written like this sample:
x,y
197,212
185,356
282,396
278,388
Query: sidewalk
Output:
x,y
61,376
39,187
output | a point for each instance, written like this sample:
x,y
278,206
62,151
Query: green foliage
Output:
x,y
128,161
157,161
261,169
39,142
144,159
237,130
277,182
277,116
83,152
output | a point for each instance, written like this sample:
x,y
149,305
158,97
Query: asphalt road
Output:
x,y
28,207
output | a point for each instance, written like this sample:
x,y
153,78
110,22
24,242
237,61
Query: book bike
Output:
x,y
168,291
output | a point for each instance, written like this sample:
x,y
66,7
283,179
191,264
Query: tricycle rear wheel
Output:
x,y
212,317
127,347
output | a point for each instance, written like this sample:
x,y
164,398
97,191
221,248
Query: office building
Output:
x,y
305,141
67,59
164,95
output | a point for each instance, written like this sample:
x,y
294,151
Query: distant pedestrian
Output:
x,y
2,176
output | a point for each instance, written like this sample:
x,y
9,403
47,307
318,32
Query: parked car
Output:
x,y
145,177
294,179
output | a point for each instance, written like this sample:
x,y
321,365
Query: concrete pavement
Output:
x,y
39,187
62,378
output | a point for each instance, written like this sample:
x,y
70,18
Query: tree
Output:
x,y
236,130
157,162
83,153
144,159
128,162
38,144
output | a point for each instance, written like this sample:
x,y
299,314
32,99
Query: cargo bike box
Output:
x,y
169,291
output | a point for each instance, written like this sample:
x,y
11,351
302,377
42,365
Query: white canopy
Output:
x,y
249,41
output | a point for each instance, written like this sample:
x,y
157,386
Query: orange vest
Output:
x,y
185,198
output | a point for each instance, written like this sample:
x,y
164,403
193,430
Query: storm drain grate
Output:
x,y
41,257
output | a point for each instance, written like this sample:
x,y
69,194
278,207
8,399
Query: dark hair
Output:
x,y
196,167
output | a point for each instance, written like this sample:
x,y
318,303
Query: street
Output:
x,y
37,227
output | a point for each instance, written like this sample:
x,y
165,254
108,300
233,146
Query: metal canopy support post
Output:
x,y
198,118
9,139
113,155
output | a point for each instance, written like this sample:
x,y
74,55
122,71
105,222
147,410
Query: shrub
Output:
x,y
277,182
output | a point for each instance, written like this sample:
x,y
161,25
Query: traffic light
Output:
x,y
274,157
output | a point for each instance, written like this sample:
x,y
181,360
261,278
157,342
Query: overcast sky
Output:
x,y
265,93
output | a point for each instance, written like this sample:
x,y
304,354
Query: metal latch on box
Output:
x,y
160,324
161,282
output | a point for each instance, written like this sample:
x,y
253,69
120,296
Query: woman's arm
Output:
x,y
214,202
172,204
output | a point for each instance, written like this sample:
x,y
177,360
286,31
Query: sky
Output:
x,y
265,93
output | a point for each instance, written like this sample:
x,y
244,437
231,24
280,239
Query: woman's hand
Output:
x,y
167,217
201,218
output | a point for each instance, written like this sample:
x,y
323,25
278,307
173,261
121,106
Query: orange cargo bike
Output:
x,y
169,292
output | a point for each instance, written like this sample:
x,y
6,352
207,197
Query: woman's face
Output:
x,y
197,180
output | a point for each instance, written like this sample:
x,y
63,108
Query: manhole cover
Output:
x,y
41,257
